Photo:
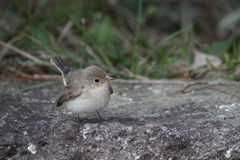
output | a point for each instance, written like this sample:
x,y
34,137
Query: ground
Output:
x,y
142,121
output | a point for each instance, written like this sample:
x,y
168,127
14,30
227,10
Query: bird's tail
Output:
x,y
62,66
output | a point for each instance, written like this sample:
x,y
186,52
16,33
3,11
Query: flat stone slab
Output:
x,y
141,122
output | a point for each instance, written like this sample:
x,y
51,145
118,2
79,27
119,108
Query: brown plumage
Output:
x,y
88,86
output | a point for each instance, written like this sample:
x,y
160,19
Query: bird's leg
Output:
x,y
79,119
99,116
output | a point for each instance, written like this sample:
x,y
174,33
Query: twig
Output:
x,y
232,116
130,74
65,30
232,94
75,40
35,77
204,84
236,88
183,91
23,53
199,74
47,77
5,49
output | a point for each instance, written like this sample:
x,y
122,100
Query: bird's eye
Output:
x,y
96,80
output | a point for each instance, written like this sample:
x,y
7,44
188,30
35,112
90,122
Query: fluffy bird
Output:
x,y
86,90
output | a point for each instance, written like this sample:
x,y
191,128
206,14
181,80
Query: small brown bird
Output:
x,y
86,90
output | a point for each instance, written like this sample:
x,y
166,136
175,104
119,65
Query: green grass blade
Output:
x,y
229,20
135,55
101,52
175,34
44,63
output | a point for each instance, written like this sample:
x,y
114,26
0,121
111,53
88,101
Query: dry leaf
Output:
x,y
200,59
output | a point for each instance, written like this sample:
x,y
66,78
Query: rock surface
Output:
x,y
141,122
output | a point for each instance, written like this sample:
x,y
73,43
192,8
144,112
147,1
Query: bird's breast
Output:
x,y
91,100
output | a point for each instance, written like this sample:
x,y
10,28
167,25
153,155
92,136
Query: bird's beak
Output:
x,y
110,78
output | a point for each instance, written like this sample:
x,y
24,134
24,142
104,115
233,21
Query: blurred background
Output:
x,y
141,39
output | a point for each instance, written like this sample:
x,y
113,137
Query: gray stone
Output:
x,y
141,122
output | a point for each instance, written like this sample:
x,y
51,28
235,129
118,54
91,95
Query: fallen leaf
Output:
x,y
201,60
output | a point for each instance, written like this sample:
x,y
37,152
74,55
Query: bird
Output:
x,y
86,90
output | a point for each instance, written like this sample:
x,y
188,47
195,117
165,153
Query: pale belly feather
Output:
x,y
92,101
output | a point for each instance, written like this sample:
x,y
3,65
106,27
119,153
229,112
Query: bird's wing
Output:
x,y
69,93
110,89
73,89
